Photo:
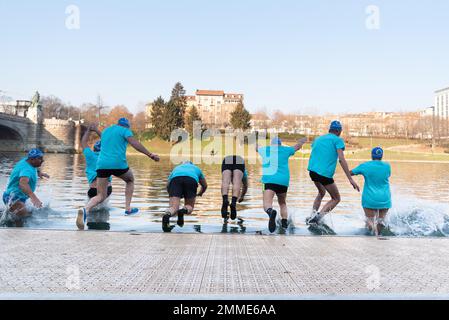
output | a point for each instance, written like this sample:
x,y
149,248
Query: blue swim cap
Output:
x,y
124,122
336,125
35,153
276,141
377,153
97,146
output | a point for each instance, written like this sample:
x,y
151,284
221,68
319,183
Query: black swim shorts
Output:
x,y
233,163
93,192
183,187
277,188
325,181
106,173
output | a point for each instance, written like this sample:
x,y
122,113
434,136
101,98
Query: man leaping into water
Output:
x,y
326,150
233,171
22,184
112,162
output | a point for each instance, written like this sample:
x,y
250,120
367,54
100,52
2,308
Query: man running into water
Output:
x,y
326,150
276,178
22,184
91,161
112,162
376,196
183,183
233,171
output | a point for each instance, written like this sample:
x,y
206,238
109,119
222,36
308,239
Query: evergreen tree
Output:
x,y
191,117
240,118
157,117
179,105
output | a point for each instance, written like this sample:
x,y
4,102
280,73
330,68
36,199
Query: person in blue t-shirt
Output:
x,y
376,196
91,156
276,178
183,183
22,184
112,162
326,150
233,171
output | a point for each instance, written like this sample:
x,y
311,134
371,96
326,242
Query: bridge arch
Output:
x,y
11,137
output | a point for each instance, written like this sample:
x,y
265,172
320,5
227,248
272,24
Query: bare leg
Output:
x,y
370,220
268,196
225,182
335,195
174,203
129,189
102,194
237,183
283,205
19,209
381,223
319,197
189,204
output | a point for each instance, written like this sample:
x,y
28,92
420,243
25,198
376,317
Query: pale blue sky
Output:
x,y
291,55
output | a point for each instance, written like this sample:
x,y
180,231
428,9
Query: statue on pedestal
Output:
x,y
35,110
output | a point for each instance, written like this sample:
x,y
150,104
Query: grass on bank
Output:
x,y
358,152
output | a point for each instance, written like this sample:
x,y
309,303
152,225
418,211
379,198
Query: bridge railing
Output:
x,y
19,109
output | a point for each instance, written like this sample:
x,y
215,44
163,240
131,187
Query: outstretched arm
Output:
x,y
345,167
300,143
203,184
24,184
139,147
85,139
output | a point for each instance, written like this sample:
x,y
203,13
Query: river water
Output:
x,y
420,200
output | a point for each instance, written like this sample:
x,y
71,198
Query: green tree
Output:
x,y
157,117
178,105
240,118
191,117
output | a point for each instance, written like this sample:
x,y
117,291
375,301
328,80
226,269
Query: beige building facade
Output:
x,y
215,106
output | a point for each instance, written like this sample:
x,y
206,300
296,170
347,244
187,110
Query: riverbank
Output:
x,y
113,265
394,151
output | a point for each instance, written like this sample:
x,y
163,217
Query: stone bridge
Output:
x,y
22,127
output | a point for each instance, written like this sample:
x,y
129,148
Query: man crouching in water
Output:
x,y
22,185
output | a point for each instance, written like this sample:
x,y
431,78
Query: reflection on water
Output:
x,y
420,197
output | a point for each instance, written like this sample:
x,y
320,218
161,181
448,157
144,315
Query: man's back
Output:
x,y
113,148
324,156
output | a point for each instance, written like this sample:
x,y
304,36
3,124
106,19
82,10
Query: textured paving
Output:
x,y
101,264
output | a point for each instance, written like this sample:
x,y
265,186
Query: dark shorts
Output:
x,y
325,181
183,187
106,173
9,200
233,163
277,188
93,192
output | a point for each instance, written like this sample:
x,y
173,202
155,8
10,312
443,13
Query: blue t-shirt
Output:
x,y
376,191
275,164
186,170
323,159
21,169
91,165
113,148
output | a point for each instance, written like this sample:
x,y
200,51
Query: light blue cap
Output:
x,y
336,125
123,122
97,146
377,153
35,153
276,141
